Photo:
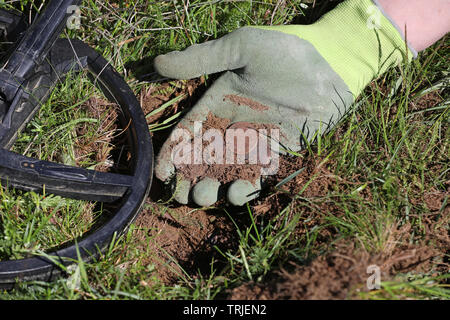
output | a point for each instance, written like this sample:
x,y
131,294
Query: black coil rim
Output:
x,y
46,269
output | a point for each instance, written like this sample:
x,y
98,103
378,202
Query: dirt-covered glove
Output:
x,y
298,78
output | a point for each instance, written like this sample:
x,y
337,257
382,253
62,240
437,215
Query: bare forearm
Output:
x,y
425,22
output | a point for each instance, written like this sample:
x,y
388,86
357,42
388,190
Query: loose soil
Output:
x,y
182,239
224,173
341,274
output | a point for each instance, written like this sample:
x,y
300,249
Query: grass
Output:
x,y
383,164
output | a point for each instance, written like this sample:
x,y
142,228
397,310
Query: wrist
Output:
x,y
421,22
393,17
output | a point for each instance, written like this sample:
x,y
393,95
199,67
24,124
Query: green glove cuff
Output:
x,y
357,40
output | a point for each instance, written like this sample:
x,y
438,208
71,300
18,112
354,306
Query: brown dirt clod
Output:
x,y
223,172
252,104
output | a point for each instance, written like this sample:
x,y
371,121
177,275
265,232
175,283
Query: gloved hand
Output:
x,y
299,78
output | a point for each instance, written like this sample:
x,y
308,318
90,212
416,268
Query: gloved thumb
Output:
x,y
210,57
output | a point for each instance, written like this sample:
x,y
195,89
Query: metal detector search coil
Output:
x,y
37,61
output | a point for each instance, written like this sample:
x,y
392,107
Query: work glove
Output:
x,y
300,79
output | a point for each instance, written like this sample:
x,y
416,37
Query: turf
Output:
x,y
373,191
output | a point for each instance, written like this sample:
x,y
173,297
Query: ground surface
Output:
x,y
373,192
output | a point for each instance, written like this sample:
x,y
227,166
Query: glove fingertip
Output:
x,y
182,191
242,191
162,65
205,192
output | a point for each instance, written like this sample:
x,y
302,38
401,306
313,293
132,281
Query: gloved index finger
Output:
x,y
200,59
